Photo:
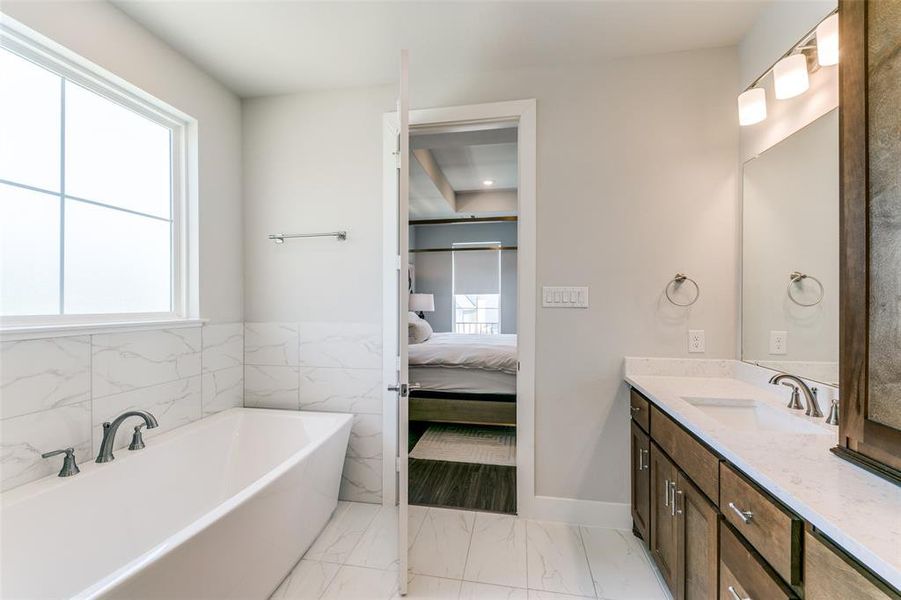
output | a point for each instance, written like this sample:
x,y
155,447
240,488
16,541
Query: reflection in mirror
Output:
x,y
790,237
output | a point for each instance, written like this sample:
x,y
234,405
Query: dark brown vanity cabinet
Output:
x,y
714,533
697,540
662,539
683,534
641,481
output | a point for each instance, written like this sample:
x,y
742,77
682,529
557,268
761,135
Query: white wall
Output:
x,y
104,35
637,179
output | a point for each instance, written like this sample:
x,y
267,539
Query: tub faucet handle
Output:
x,y
69,466
137,439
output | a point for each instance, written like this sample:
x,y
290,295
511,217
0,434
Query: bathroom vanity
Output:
x,y
738,497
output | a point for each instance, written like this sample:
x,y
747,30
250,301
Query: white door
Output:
x,y
402,386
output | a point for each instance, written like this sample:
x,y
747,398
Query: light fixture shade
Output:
x,y
422,302
752,106
827,41
790,76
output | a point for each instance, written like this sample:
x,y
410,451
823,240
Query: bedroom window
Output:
x,y
477,313
477,288
91,195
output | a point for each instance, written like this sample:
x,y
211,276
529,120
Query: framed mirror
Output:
x,y
790,254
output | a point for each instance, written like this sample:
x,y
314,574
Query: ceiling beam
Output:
x,y
428,163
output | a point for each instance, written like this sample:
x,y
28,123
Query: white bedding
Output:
x,y
466,351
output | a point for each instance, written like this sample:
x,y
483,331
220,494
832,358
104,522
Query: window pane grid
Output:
x,y
477,314
117,264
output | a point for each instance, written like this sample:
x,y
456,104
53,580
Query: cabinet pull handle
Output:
x,y
666,493
640,459
682,501
672,499
635,409
744,515
644,453
735,595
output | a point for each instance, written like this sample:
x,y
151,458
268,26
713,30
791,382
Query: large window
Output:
x,y
90,196
477,288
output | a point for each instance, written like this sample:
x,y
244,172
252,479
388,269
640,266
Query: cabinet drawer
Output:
x,y
773,531
639,407
831,575
743,575
700,464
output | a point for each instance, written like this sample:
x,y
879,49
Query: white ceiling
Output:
x,y
466,159
262,47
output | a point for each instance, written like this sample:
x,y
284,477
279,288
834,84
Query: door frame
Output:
x,y
524,114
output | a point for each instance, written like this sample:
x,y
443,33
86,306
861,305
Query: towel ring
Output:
x,y
797,277
678,280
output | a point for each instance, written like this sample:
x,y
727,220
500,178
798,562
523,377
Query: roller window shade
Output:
x,y
477,272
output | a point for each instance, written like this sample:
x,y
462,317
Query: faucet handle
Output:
x,y
832,419
137,439
69,465
795,401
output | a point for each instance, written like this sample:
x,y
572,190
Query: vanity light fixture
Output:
x,y
752,106
790,76
488,182
827,41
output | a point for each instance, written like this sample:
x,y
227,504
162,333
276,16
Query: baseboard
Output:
x,y
592,513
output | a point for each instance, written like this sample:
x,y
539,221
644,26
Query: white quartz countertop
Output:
x,y
858,510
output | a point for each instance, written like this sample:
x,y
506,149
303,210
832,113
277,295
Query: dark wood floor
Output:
x,y
470,486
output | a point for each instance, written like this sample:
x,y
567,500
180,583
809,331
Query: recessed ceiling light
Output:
x,y
488,182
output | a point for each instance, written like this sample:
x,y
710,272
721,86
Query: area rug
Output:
x,y
469,444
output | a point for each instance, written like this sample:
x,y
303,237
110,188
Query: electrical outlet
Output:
x,y
696,340
778,342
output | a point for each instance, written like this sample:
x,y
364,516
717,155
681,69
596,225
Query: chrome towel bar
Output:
x,y
279,238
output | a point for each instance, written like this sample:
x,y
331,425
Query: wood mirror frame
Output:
x,y
869,88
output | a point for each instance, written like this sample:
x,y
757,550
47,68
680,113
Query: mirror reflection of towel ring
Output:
x,y
676,282
797,277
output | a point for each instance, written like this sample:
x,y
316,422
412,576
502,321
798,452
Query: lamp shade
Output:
x,y
790,76
422,302
752,106
827,41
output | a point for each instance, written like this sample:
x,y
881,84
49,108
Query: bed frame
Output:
x,y
461,407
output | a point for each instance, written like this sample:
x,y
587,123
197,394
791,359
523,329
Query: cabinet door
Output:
x,y
663,515
697,541
641,482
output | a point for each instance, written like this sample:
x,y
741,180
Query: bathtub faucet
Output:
x,y
110,429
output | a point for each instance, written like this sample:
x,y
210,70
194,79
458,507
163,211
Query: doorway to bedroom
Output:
x,y
463,303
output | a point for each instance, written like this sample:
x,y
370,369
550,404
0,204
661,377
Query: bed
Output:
x,y
464,378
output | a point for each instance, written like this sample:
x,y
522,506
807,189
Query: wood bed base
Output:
x,y
454,407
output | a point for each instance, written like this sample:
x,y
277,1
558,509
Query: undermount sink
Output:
x,y
751,415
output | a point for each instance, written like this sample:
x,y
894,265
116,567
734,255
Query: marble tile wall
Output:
x,y
56,392
332,367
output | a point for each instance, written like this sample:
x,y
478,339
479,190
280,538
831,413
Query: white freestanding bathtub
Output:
x,y
220,508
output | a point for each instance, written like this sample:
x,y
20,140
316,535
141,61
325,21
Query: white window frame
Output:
x,y
184,276
500,279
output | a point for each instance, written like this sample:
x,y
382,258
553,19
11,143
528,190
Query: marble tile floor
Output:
x,y
457,555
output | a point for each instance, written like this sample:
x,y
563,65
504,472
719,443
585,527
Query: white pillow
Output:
x,y
419,331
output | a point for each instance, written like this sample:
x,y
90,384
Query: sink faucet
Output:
x,y
110,429
810,395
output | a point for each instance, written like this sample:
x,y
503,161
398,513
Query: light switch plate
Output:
x,y
564,297
697,342
778,342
